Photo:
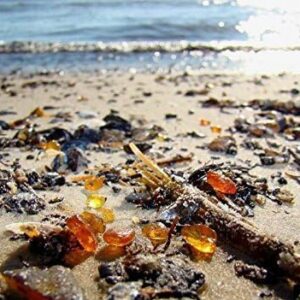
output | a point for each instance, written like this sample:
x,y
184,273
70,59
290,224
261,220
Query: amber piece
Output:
x,y
107,214
221,183
204,122
38,112
23,135
201,238
120,237
30,231
83,232
95,222
110,252
216,129
161,138
156,233
93,183
51,145
95,201
75,257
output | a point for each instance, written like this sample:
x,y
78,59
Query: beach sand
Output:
x,y
147,98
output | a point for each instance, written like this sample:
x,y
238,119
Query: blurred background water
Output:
x,y
236,35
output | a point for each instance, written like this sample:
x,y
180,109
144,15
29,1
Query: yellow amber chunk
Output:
x,y
30,231
95,201
204,122
38,112
95,222
161,138
22,135
201,238
93,183
51,145
155,233
107,214
216,129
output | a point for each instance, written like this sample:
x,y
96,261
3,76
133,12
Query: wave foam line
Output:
x,y
135,47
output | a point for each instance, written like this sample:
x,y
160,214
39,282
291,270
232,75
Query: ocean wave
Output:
x,y
137,47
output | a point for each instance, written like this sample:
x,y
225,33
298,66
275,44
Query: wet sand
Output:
x,y
146,99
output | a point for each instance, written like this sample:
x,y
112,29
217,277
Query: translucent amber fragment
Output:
x,y
76,256
120,238
221,183
201,238
161,138
30,231
95,201
95,222
204,122
110,252
23,135
216,129
83,232
93,183
155,233
107,214
51,145
38,112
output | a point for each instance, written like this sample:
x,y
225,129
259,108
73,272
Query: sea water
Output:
x,y
221,35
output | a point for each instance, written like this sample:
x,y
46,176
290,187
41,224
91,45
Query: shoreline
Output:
x,y
267,61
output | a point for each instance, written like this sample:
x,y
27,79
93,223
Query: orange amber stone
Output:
x,y
200,237
110,252
107,214
155,233
76,256
38,112
216,129
83,232
95,222
204,122
93,183
221,183
120,238
51,145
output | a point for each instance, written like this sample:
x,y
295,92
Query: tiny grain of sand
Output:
x,y
149,97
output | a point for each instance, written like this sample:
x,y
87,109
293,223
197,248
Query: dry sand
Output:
x,y
160,94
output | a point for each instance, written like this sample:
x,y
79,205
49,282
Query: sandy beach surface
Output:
x,y
174,102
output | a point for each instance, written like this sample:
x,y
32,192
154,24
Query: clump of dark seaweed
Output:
x,y
23,202
267,124
254,273
155,277
285,107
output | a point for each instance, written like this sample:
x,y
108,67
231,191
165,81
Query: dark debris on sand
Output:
x,y
153,278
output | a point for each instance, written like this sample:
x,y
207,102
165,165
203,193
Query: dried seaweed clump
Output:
x,y
23,203
151,277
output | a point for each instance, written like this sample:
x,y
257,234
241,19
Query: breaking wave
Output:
x,y
136,47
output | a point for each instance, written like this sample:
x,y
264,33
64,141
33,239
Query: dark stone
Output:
x,y
117,123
